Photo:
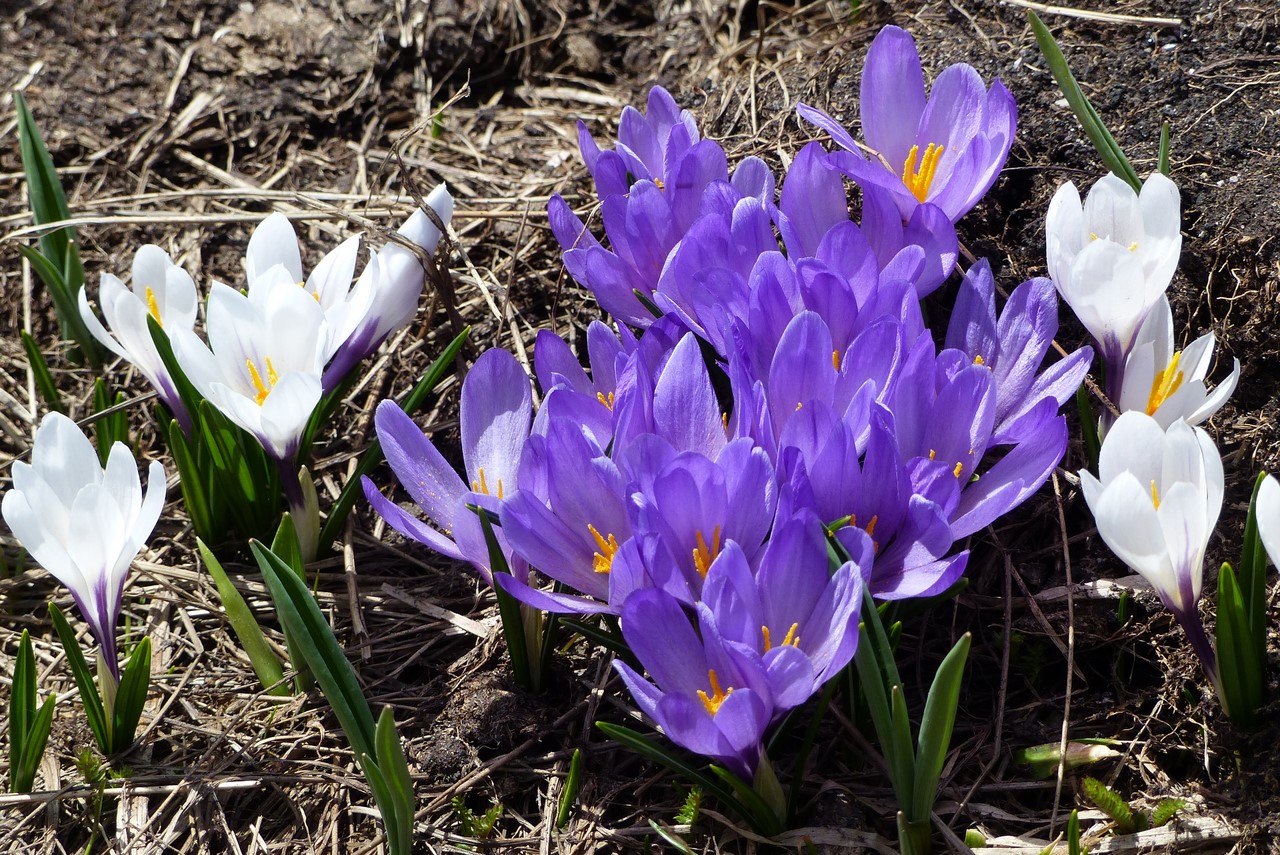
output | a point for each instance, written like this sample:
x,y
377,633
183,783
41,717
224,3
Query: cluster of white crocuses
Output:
x,y
1159,484
269,355
275,349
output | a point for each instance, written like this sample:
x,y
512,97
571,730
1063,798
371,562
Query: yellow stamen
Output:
x,y
1155,495
607,548
1165,384
702,556
154,307
835,359
718,695
659,183
798,406
918,182
724,419
263,389
482,486
933,454
1133,247
871,525
607,400
959,468
791,638
1093,235
978,360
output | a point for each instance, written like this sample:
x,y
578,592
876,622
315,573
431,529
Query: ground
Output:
x,y
181,123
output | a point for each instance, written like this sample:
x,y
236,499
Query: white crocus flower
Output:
x,y
159,289
1113,256
1156,502
1168,384
361,316
1267,510
83,523
262,365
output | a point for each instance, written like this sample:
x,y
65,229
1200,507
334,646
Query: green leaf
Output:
x,y
690,810
131,696
672,839
1088,430
27,761
1253,573
1166,811
1162,162
399,784
112,428
901,758
328,663
1109,802
264,660
195,490
373,455
570,793
1073,833
84,679
1241,674
761,816
935,728
22,697
513,629
43,377
49,205
286,548
1108,149
164,348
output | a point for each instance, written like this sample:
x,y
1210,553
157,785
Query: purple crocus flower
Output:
x,y
708,694
497,408
798,616
909,529
946,148
1013,348
649,146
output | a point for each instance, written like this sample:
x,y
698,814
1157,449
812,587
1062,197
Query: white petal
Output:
x,y
1134,444
28,523
1129,525
121,480
273,242
1268,513
331,278
1101,290
64,458
1111,212
1186,532
286,411
1064,232
1214,401
1139,376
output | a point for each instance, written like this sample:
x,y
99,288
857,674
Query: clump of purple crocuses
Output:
x,y
771,429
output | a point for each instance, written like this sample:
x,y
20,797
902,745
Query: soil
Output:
x,y
180,123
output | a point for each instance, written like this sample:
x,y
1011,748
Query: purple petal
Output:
x,y
892,98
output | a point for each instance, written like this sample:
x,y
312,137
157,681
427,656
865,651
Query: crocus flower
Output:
x,y
1156,501
649,146
946,148
1013,348
497,408
159,289
360,317
1112,257
83,523
1166,383
262,365
708,694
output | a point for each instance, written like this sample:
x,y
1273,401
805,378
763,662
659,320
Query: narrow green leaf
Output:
x,y
301,616
286,548
131,696
195,496
84,679
1162,162
1253,572
264,660
395,770
164,348
112,428
1108,150
902,761
27,761
513,629
672,839
1241,673
22,705
43,377
373,455
1088,430
935,727
806,746
569,795
58,247
1073,833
